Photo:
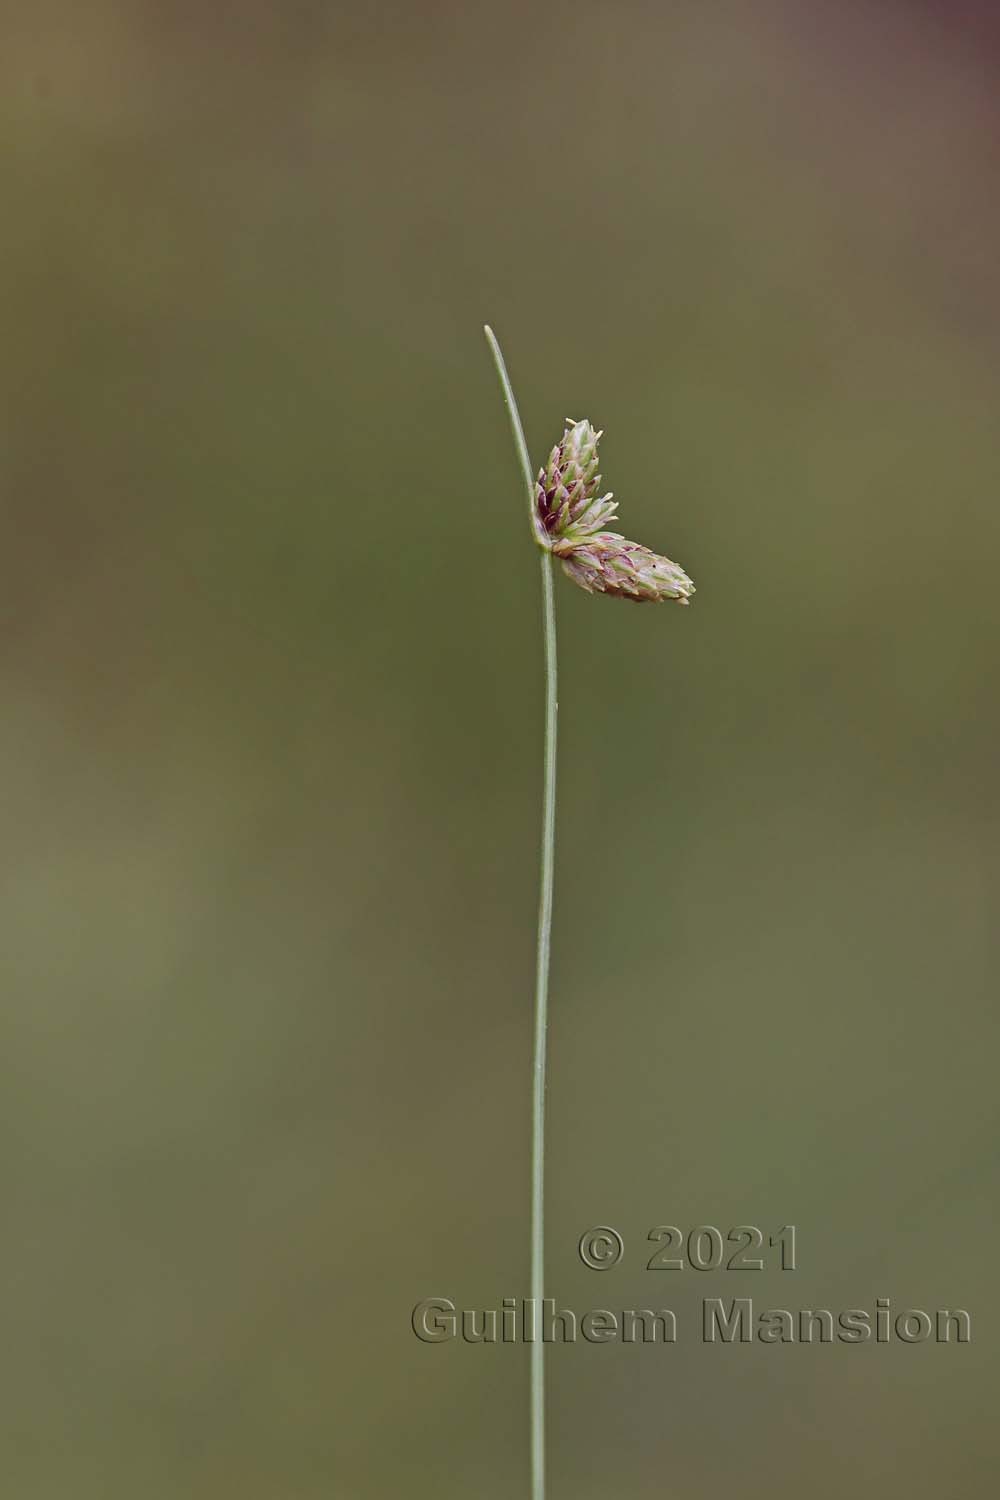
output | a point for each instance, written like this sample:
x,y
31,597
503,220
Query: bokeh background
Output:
x,y
271,714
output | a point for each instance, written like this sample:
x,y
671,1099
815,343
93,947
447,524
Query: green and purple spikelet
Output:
x,y
570,514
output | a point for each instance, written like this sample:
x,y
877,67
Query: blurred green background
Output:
x,y
271,716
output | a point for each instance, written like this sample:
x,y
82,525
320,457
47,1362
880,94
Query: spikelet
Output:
x,y
610,564
570,515
568,502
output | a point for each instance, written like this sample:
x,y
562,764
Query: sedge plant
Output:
x,y
568,517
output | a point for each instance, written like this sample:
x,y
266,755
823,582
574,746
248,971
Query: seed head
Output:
x,y
568,501
610,564
569,517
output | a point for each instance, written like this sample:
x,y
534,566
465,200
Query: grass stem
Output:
x,y
537,1280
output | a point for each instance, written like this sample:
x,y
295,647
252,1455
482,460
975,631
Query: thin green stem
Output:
x,y
537,1380
541,1022
515,419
